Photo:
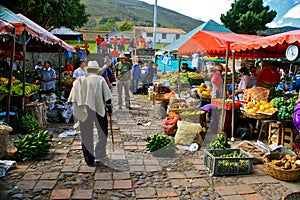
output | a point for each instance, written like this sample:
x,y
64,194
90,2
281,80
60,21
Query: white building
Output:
x,y
163,35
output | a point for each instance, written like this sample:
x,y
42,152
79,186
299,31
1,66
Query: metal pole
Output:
x,y
23,71
154,25
178,78
232,109
59,71
224,89
13,47
111,131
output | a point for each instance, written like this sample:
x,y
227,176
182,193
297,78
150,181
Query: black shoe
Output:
x,y
130,108
91,164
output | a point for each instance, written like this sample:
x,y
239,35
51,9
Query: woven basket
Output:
x,y
196,77
204,96
256,115
292,196
4,138
277,172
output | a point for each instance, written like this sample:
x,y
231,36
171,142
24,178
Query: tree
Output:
x,y
51,13
125,26
248,16
109,25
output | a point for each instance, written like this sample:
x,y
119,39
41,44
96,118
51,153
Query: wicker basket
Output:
x,y
277,172
292,196
256,115
204,96
4,138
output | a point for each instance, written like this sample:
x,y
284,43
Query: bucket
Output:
x,y
167,83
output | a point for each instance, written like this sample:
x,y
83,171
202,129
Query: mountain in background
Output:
x,y
137,12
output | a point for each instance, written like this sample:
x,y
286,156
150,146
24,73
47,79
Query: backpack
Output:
x,y
296,117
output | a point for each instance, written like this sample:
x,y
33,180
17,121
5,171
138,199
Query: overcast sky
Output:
x,y
199,9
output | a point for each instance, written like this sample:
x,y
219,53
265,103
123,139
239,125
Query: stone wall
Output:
x,y
91,35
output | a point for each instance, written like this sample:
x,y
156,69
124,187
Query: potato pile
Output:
x,y
287,162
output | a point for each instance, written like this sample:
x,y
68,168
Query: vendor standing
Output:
x,y
185,68
217,82
244,83
269,77
48,77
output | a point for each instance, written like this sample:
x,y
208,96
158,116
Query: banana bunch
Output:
x,y
3,88
17,88
160,145
33,145
30,123
220,143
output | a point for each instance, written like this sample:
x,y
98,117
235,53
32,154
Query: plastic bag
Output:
x,y
187,132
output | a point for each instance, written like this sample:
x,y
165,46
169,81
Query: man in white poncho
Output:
x,y
91,98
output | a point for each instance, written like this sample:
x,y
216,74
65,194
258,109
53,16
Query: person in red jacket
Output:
x,y
115,42
269,77
98,43
68,66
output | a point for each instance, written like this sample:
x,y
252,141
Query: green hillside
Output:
x,y
137,12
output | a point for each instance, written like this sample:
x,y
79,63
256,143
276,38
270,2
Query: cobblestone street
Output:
x,y
130,173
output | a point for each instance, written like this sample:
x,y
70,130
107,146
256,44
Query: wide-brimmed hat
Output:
x,y
93,64
122,56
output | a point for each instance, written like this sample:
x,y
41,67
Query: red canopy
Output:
x,y
39,32
270,46
212,43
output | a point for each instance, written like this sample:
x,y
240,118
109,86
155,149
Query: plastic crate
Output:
x,y
227,166
228,105
195,81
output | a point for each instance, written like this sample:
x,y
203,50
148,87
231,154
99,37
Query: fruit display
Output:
x,y
17,88
195,112
67,78
228,161
285,107
33,145
220,143
30,123
160,145
204,90
173,78
194,75
262,107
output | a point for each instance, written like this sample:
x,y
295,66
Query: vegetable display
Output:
x,y
33,145
160,145
220,143
30,123
285,107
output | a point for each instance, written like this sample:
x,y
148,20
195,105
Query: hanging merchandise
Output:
x,y
68,54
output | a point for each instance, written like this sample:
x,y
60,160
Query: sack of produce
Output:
x,y
170,125
187,132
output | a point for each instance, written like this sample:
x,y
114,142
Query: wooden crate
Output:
x,y
38,110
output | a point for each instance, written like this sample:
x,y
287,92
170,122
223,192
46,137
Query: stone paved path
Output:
x,y
131,173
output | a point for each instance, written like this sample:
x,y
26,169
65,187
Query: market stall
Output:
x,y
32,38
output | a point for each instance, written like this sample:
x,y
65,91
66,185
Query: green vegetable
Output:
x,y
33,145
160,145
220,143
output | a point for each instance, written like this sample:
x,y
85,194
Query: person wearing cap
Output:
x,y
107,73
80,71
48,76
122,70
91,99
